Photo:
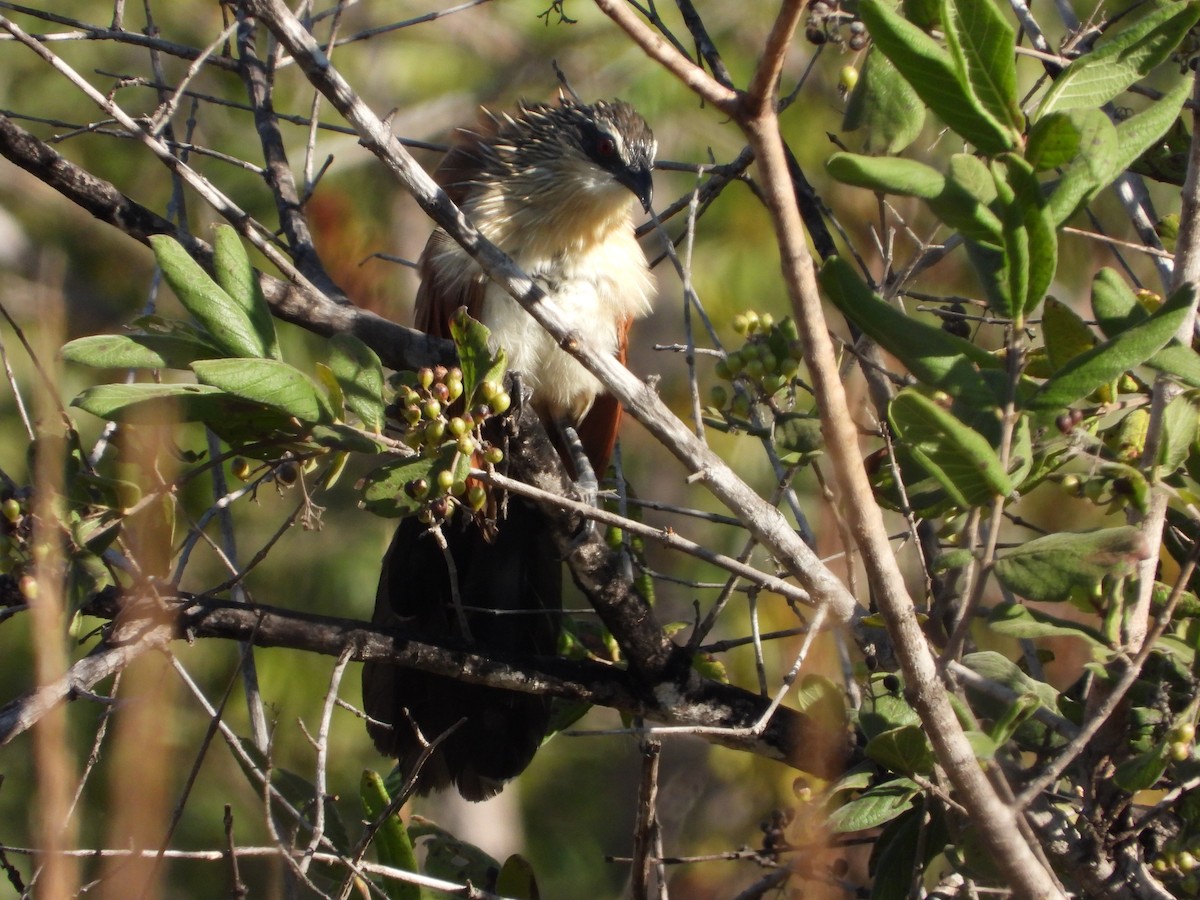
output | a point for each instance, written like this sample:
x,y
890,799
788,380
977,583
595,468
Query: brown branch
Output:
x,y
997,823
686,699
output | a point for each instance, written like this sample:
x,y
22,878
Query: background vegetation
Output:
x,y
1009,707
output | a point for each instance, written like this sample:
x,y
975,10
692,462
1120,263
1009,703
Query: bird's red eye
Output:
x,y
606,147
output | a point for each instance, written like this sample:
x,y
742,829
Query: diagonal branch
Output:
x,y
764,521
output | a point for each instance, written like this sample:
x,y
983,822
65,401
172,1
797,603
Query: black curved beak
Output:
x,y
641,182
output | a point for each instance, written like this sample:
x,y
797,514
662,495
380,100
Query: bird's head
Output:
x,y
593,150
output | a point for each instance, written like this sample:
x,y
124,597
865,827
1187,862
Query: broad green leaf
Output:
x,y
1058,139
1121,59
931,71
1002,670
963,203
222,317
343,437
1107,361
360,375
393,846
877,806
236,421
115,401
1049,568
233,272
1114,305
138,351
1066,335
1142,772
1092,168
516,879
961,459
887,175
1018,621
925,14
475,356
1137,134
1178,432
884,713
885,106
905,751
384,489
983,45
269,382
933,356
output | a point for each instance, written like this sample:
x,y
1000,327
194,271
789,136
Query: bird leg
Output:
x,y
586,481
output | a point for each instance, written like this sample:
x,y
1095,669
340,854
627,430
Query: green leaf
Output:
x,y
885,106
905,751
231,266
1012,718
1092,168
1114,305
1002,670
1097,77
222,317
961,459
269,382
1109,360
393,846
116,401
360,375
138,351
383,489
516,879
886,712
1058,139
1051,567
1030,243
963,204
933,75
877,806
983,45
1138,133
887,175
1018,621
475,356
1178,432
1066,335
933,356
1141,772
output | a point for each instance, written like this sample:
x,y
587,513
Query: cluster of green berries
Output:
x,y
766,363
16,527
437,417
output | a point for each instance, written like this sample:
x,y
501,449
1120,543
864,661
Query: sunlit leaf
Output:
x,y
235,274
222,317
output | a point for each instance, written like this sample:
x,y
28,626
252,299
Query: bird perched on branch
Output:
x,y
553,186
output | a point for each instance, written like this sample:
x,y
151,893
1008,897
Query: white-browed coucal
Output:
x,y
553,186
